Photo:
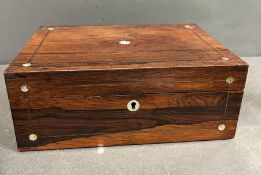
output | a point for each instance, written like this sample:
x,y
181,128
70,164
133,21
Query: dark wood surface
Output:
x,y
188,112
81,79
123,82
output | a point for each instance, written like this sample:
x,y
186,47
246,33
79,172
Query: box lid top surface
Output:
x,y
116,47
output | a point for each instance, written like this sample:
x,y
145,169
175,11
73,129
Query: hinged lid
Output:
x,y
135,59
117,47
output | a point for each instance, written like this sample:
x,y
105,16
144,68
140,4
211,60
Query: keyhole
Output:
x,y
133,104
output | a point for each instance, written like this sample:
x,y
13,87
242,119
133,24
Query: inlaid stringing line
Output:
x,y
225,112
38,47
28,109
208,44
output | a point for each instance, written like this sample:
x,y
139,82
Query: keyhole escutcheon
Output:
x,y
133,105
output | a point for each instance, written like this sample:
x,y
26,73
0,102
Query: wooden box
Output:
x,y
88,86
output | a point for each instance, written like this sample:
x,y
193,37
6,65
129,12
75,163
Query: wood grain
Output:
x,y
98,48
184,112
123,82
176,133
81,79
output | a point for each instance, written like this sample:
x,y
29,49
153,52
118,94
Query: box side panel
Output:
x,y
18,101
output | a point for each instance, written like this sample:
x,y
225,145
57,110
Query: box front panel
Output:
x,y
106,120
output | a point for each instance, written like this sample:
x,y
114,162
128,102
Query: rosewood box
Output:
x,y
88,86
